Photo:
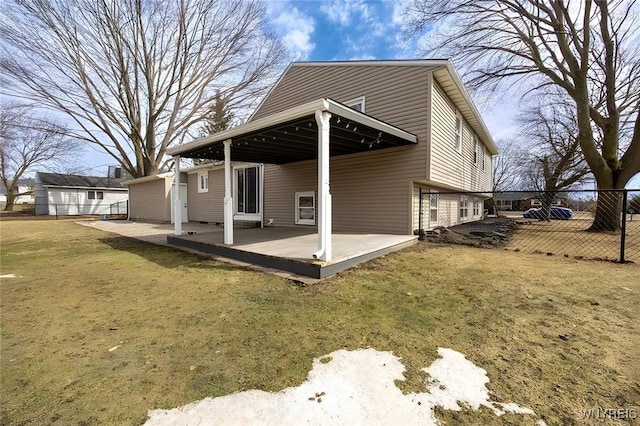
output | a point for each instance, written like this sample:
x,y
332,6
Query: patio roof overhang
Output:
x,y
292,135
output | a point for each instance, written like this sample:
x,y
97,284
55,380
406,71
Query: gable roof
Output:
x,y
442,70
77,181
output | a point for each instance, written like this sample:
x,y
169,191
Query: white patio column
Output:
x,y
324,191
228,199
177,211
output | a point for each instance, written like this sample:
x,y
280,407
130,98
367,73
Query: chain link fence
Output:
x,y
582,224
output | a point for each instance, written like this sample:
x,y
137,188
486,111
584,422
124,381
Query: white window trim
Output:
x,y
433,195
464,207
459,132
257,217
476,150
476,208
356,101
203,188
484,156
298,220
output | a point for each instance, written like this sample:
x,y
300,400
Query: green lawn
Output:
x,y
555,334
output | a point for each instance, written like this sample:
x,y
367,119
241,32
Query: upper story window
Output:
x,y
484,156
458,140
203,181
357,104
476,150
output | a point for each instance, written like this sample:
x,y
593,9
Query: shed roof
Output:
x,y
291,136
78,181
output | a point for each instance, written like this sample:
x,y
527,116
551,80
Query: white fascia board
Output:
x,y
202,167
351,114
148,178
455,78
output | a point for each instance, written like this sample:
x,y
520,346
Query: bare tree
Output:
x,y
508,165
587,48
551,131
27,141
132,75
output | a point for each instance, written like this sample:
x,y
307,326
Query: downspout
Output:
x,y
324,251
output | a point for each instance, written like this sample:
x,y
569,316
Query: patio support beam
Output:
x,y
324,191
228,199
177,211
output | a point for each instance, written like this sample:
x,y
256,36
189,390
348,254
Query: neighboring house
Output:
x,y
520,201
347,146
25,186
61,195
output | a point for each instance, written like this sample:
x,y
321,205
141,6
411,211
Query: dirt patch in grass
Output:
x,y
99,329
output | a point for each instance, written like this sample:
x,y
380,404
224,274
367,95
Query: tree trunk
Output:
x,y
11,199
608,211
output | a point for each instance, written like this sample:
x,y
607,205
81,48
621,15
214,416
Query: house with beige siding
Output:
x,y
345,147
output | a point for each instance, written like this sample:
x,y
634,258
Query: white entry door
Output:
x,y
184,213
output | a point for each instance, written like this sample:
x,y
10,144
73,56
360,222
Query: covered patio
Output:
x,y
318,131
287,248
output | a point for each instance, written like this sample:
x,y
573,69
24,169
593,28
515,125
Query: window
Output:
x,y
458,140
95,195
247,194
433,208
484,155
464,207
306,208
476,208
357,104
203,181
476,150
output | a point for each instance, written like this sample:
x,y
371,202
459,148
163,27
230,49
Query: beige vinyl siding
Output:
x,y
206,206
448,166
280,185
370,191
150,200
396,95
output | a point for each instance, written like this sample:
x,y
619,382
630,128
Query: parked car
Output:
x,y
561,213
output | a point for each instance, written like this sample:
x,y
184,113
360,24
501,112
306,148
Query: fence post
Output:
x,y
623,228
420,233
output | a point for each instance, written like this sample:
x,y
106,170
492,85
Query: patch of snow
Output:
x,y
349,387
8,276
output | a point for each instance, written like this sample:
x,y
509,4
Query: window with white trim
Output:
x,y
484,156
95,195
305,208
476,150
433,208
458,134
476,208
464,207
357,104
203,181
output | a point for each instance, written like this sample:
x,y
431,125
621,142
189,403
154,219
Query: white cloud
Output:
x,y
294,27
345,12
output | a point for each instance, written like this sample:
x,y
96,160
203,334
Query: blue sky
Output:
x,y
340,29
329,30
